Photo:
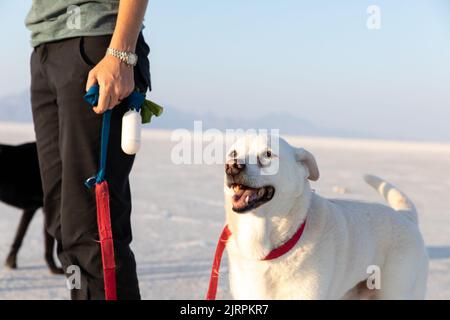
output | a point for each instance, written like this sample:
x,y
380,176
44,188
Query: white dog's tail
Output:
x,y
395,198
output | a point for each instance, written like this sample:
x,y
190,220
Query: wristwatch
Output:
x,y
129,58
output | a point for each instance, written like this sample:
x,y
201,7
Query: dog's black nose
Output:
x,y
233,168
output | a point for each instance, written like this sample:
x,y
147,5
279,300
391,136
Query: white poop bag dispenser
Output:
x,y
131,123
131,132
140,111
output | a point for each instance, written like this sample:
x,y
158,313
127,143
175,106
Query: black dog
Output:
x,y
20,186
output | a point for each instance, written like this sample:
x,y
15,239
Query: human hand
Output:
x,y
116,82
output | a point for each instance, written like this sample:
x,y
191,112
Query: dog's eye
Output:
x,y
264,158
233,154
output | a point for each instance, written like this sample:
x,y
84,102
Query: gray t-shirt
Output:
x,y
50,20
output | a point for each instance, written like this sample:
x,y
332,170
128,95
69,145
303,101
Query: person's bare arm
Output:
x,y
115,78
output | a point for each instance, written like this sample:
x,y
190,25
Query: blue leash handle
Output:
x,y
104,145
133,101
92,98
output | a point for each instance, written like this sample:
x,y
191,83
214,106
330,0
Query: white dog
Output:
x,y
342,243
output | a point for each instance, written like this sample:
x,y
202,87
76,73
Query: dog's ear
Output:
x,y
309,161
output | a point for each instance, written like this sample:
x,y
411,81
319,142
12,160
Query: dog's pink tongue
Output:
x,y
241,199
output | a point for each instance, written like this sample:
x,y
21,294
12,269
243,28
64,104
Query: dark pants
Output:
x,y
68,141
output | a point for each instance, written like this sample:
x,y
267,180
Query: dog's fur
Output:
x,y
341,239
20,186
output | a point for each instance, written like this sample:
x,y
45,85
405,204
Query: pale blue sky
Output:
x,y
314,59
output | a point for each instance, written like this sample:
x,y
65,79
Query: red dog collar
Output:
x,y
225,236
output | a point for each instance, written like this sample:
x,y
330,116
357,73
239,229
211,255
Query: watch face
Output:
x,y
132,59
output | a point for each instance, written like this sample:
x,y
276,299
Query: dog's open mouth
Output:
x,y
247,198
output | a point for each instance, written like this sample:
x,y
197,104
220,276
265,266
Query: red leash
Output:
x,y
226,233
102,199
106,240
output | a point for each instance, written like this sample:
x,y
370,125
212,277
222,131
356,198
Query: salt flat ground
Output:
x,y
178,212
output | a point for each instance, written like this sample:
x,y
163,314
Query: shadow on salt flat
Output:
x,y
166,270
31,277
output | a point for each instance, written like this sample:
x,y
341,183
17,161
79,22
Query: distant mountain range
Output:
x,y
16,108
287,123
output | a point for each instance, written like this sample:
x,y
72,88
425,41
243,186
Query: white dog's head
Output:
x,y
263,171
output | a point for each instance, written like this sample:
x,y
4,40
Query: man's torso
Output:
x,y
51,20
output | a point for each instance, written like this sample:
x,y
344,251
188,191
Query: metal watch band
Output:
x,y
129,58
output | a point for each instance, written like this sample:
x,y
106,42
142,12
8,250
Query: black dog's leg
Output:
x,y
27,215
49,254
